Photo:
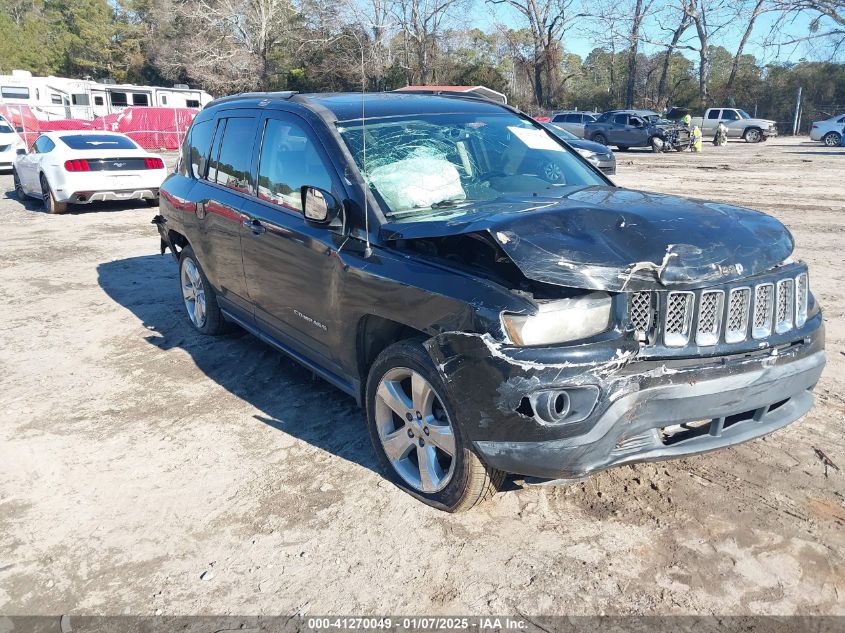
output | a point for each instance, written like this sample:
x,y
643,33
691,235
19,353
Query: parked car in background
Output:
x,y
637,128
64,168
10,143
574,121
598,155
739,123
828,131
490,317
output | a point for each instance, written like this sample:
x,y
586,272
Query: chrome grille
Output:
x,y
641,311
762,324
678,318
802,293
710,317
785,305
730,315
736,328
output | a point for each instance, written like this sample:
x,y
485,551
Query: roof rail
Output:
x,y
285,94
448,93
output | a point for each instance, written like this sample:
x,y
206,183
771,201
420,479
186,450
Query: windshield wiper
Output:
x,y
448,202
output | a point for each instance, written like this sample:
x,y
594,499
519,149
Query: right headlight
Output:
x,y
560,321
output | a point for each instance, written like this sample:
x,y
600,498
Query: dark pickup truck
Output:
x,y
637,128
494,303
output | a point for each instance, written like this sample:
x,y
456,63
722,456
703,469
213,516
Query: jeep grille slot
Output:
x,y
762,311
710,317
678,318
641,311
802,292
786,305
738,304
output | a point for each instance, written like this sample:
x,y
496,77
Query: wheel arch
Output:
x,y
374,334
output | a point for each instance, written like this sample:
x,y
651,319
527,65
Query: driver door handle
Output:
x,y
255,226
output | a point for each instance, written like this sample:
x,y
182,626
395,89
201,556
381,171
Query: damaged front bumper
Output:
x,y
618,408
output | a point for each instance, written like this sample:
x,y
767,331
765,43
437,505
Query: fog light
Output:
x,y
558,406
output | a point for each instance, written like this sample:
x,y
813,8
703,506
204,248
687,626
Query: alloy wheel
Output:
x,y
832,140
753,136
193,293
415,431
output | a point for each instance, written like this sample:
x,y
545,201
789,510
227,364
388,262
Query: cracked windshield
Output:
x,y
419,165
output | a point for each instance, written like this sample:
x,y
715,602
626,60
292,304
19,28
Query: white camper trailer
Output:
x,y
52,98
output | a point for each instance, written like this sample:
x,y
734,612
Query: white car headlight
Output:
x,y
586,153
560,321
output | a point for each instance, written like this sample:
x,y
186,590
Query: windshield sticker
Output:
x,y
535,139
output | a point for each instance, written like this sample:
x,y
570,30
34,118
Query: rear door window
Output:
x,y
714,114
233,165
199,147
290,158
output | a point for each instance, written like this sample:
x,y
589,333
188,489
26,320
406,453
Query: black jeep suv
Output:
x,y
493,301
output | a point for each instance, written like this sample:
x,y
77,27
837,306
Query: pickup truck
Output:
x,y
740,124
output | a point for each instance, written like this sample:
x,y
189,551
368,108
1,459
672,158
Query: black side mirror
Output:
x,y
19,129
319,206
21,151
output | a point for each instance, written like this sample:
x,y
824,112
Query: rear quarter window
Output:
x,y
97,142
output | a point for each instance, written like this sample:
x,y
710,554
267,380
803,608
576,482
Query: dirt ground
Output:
x,y
146,469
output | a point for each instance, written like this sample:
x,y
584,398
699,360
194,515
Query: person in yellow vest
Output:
x,y
696,139
687,119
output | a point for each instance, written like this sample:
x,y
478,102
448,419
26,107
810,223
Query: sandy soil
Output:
x,y
136,455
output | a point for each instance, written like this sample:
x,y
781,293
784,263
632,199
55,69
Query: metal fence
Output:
x,y
153,128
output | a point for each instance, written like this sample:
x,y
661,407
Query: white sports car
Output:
x,y
76,167
10,143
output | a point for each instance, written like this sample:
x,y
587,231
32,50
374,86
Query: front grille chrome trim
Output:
x,y
711,307
739,305
802,295
764,302
678,321
785,305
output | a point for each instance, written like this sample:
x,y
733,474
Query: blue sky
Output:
x,y
581,43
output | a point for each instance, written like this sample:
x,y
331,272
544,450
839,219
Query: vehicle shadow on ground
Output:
x,y
33,204
831,152
289,398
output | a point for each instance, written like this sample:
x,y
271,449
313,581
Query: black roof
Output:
x,y
346,106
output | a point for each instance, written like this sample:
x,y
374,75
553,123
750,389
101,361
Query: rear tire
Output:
x,y
832,139
404,378
198,296
51,205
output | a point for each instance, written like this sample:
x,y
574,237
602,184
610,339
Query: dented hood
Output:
x,y
606,238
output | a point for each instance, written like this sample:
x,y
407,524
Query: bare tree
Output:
x,y
828,23
422,22
757,8
226,43
641,9
678,32
547,21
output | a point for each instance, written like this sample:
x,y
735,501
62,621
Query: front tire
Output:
x,y
413,427
832,139
51,205
753,135
599,138
198,296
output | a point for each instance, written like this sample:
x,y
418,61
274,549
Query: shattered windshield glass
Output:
x,y
421,163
